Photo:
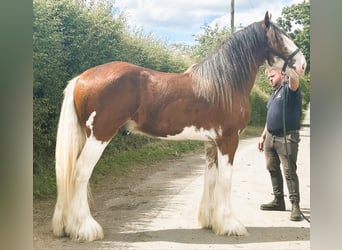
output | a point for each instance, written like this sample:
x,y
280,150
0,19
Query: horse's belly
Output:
x,y
188,133
193,133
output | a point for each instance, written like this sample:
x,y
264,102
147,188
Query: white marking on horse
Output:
x,y
207,204
90,122
289,43
223,219
193,133
300,63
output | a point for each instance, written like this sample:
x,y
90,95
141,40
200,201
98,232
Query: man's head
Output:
x,y
275,77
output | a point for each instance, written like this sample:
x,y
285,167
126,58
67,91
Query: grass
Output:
x,y
252,131
121,159
150,153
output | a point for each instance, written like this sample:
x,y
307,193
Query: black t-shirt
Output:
x,y
293,106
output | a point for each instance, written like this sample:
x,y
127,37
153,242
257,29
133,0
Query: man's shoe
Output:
x,y
278,204
295,212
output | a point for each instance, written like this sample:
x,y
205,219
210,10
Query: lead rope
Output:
x,y
287,153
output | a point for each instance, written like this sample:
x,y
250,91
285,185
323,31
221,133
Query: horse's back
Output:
x,y
111,88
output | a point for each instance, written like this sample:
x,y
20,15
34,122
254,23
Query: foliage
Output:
x,y
208,41
148,51
49,71
258,99
295,19
304,83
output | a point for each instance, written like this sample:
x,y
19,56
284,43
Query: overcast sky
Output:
x,y
176,21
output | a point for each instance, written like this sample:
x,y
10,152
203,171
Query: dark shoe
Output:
x,y
295,212
278,204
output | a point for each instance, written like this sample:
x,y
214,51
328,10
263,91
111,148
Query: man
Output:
x,y
277,149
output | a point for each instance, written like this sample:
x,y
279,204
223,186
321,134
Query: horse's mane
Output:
x,y
230,67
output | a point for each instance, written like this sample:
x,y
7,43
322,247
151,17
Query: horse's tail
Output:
x,y
70,141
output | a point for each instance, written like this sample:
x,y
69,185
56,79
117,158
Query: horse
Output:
x,y
207,102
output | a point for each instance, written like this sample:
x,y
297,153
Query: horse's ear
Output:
x,y
267,20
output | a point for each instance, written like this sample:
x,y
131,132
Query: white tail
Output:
x,y
70,141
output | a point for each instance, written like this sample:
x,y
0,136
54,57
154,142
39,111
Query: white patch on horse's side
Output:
x,y
90,121
193,133
224,221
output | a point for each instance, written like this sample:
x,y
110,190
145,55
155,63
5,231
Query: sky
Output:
x,y
177,21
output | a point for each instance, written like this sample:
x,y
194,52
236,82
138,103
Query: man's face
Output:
x,y
276,78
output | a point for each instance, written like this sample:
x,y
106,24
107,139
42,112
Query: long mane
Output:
x,y
229,68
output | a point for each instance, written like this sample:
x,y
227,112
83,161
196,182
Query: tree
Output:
x,y
295,19
209,41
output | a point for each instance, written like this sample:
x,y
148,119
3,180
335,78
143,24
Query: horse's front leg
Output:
x,y
223,219
206,208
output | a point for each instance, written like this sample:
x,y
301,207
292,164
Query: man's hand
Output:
x,y
262,140
293,83
261,144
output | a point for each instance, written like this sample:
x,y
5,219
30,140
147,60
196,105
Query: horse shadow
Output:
x,y
205,236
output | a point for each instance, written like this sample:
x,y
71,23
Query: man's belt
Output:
x,y
280,133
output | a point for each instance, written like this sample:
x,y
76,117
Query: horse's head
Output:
x,y
281,52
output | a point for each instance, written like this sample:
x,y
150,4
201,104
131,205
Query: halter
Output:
x,y
287,60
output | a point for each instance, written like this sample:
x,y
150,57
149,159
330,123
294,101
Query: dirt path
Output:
x,y
156,207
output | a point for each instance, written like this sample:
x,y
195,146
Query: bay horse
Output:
x,y
208,102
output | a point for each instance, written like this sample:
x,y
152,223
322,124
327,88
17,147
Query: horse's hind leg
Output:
x,y
207,202
80,225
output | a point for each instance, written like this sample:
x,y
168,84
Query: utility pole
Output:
x,y
232,16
